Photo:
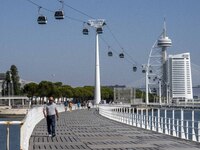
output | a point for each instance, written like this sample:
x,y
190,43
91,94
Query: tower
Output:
x,y
98,25
164,42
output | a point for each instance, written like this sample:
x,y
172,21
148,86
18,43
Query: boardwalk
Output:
x,y
83,129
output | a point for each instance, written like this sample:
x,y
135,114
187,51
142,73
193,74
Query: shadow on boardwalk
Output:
x,y
83,129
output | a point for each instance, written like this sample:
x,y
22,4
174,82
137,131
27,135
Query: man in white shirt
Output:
x,y
50,112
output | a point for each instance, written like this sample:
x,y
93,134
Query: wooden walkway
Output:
x,y
83,129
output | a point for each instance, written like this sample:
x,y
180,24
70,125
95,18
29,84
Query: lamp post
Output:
x,y
97,24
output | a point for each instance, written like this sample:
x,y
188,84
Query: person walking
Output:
x,y
78,105
50,113
89,105
70,106
66,105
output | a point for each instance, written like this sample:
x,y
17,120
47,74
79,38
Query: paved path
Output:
x,y
83,129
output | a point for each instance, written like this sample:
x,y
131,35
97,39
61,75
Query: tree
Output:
x,y
45,89
67,91
107,94
7,84
31,89
15,80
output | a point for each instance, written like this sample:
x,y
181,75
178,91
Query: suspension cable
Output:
x,y
81,12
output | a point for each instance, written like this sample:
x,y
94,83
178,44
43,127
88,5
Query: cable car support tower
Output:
x,y
98,25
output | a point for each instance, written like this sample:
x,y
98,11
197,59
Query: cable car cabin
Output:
x,y
110,53
134,68
42,20
59,15
143,71
121,55
85,31
99,30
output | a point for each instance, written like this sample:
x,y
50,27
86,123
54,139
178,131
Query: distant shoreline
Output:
x,y
13,113
12,116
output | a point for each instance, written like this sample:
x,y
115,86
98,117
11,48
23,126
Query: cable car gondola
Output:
x,y
134,68
85,31
99,30
59,15
42,19
143,71
121,55
110,53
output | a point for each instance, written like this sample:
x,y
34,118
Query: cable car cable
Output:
x,y
117,41
131,62
78,20
71,18
39,6
81,12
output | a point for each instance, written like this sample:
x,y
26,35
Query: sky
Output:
x,y
58,51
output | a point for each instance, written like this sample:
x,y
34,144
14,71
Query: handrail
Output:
x,y
142,119
11,122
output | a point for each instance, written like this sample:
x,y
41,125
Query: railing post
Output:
x,y
177,127
121,114
182,125
116,118
147,119
173,124
117,112
141,118
156,123
8,137
130,117
137,117
166,130
152,120
198,131
126,115
133,116
159,127
150,123
187,131
169,125
114,114
193,132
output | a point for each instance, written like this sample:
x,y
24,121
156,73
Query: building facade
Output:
x,y
124,95
180,78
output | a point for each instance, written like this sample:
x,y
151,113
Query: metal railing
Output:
x,y
151,119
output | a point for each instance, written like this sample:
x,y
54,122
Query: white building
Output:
x,y
180,78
